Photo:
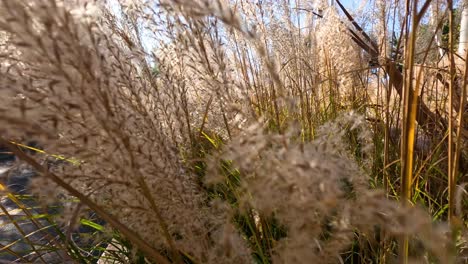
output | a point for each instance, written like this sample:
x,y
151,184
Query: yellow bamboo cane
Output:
x,y
410,102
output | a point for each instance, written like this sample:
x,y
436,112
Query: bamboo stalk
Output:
x,y
450,170
407,136
460,123
410,110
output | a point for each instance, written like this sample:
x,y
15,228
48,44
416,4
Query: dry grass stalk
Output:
x,y
227,131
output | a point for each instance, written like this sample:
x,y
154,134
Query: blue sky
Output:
x,y
149,44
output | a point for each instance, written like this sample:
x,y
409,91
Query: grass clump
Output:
x,y
236,132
